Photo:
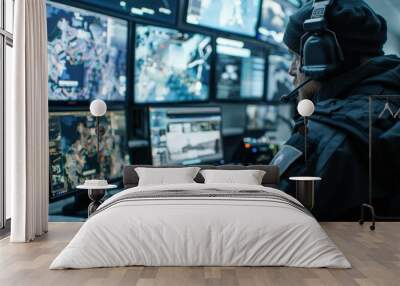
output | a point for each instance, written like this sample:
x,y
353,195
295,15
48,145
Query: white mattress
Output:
x,y
200,232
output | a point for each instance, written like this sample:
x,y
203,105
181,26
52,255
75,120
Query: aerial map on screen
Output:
x,y
237,16
72,147
86,54
171,66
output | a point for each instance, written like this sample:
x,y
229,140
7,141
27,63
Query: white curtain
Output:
x,y
27,124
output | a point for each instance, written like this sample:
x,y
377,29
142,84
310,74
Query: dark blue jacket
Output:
x,y
339,142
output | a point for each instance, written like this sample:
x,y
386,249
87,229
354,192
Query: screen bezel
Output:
x,y
183,107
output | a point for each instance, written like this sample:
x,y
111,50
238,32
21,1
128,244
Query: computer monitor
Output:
x,y
261,117
274,18
87,54
239,16
164,11
72,149
280,82
171,65
185,135
240,70
273,121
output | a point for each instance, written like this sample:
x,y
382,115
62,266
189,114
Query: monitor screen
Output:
x,y
239,16
274,18
157,10
261,117
280,82
87,55
185,135
171,66
240,70
275,121
72,147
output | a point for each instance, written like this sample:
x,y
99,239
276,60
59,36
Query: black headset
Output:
x,y
320,53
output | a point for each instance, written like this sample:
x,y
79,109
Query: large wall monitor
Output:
x,y
280,82
171,66
87,54
72,145
240,70
185,135
156,10
274,18
233,16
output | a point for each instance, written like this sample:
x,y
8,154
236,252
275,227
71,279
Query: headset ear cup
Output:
x,y
320,52
321,55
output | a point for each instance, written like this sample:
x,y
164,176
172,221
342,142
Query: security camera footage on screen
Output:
x,y
158,10
237,16
73,156
261,117
171,66
275,120
280,82
87,54
185,135
274,18
240,71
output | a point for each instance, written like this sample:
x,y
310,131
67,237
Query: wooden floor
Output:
x,y
375,257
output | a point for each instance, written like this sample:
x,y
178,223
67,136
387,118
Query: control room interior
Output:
x,y
105,104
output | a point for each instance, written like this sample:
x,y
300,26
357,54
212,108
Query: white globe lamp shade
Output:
x,y
305,107
98,107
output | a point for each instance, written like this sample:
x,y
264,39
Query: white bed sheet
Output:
x,y
200,232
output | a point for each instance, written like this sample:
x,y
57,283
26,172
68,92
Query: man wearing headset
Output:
x,y
339,53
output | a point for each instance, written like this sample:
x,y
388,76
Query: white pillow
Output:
x,y
166,176
248,177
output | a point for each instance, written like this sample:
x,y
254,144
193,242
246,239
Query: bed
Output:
x,y
197,224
